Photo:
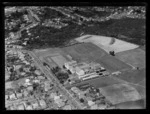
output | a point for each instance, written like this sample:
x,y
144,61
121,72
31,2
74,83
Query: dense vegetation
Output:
x,y
132,29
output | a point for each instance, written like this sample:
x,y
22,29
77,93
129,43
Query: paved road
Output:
x,y
50,76
19,101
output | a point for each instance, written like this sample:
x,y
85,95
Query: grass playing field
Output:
x,y
135,57
90,52
118,93
103,82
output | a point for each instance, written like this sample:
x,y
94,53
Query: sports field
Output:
x,y
59,60
135,57
118,93
90,52
133,76
105,43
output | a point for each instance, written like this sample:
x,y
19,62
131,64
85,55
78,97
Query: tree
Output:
x,y
64,66
35,86
82,100
112,53
21,69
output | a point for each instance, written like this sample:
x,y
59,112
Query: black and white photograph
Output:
x,y
75,57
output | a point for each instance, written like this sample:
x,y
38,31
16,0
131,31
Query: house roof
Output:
x,y
20,107
67,107
42,103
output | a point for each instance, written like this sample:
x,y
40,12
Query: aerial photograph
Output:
x,y
75,57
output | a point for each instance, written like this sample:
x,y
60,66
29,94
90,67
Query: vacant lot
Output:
x,y
133,76
90,52
106,43
118,93
135,57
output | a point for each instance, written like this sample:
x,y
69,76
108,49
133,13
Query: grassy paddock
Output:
x,y
132,76
118,93
135,57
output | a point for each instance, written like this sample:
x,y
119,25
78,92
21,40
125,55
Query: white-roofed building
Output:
x,y
79,71
35,105
56,97
90,103
20,107
52,95
37,72
60,102
72,70
42,103
69,64
102,106
6,97
19,95
18,67
29,107
12,96
94,106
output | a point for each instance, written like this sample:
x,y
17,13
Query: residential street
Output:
x,y
52,78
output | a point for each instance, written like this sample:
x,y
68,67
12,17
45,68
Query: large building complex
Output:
x,y
85,70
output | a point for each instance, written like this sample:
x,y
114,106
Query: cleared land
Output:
x,y
141,90
104,43
90,52
118,93
98,82
135,57
133,76
139,104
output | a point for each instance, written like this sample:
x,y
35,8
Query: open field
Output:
x,y
139,104
98,82
133,76
142,83
47,52
118,93
135,57
49,61
104,43
141,90
103,82
90,52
